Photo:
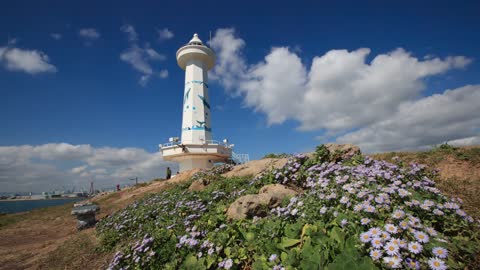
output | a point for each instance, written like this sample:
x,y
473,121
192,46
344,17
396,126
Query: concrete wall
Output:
x,y
189,164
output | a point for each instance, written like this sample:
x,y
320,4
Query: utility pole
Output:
x,y
136,180
91,188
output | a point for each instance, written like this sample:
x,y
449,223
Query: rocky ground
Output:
x,y
47,238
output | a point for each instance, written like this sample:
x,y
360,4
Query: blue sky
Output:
x,y
68,80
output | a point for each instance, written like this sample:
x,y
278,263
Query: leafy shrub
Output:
x,y
273,155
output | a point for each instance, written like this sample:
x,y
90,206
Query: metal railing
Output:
x,y
207,142
240,158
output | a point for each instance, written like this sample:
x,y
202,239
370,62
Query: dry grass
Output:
x,y
81,251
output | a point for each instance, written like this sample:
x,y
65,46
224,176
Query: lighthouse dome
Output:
x,y
195,40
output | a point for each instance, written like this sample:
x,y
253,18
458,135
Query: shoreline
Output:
x,y
32,199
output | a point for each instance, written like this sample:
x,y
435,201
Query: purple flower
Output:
x,y
391,228
392,262
411,263
364,221
375,254
415,247
377,242
228,264
421,237
436,264
273,257
440,252
365,237
391,248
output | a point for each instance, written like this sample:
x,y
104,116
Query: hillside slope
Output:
x,y
46,238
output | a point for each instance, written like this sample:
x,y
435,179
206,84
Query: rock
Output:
x,y
256,167
85,214
199,185
257,204
277,193
248,206
342,151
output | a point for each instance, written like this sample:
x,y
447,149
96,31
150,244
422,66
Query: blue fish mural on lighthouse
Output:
x,y
186,96
205,103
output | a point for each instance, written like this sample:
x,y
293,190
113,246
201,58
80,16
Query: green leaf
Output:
x,y
293,230
250,236
308,229
311,257
288,242
337,234
192,263
228,251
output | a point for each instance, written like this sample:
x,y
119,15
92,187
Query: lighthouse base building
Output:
x,y
191,156
196,148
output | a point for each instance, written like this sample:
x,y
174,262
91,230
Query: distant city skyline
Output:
x,y
90,89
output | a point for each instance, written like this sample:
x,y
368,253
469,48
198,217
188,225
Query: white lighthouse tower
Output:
x,y
196,149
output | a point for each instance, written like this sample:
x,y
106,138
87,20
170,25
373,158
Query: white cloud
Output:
x,y
144,79
140,58
164,34
89,33
62,151
79,169
163,74
475,140
230,67
449,116
58,165
343,94
56,36
29,61
109,156
130,31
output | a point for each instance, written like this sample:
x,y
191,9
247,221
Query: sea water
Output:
x,y
27,205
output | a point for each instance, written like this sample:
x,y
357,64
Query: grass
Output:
x,y
437,154
77,252
46,213
7,219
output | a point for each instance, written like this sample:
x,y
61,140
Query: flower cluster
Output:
x,y
383,194
376,213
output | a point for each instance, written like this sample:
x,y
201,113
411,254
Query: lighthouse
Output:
x,y
196,147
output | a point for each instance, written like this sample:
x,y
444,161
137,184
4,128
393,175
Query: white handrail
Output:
x,y
208,142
